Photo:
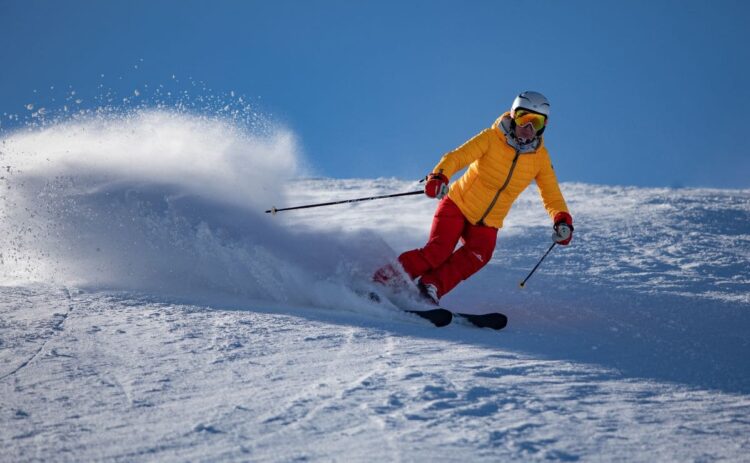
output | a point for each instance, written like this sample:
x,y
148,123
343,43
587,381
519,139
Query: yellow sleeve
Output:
x,y
464,155
549,189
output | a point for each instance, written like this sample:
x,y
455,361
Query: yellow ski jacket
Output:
x,y
498,171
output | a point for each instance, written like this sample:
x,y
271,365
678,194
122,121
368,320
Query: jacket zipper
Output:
x,y
505,185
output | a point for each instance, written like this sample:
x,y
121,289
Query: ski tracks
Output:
x,y
133,379
329,400
43,330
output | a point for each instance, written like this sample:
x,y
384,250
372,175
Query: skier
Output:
x,y
502,161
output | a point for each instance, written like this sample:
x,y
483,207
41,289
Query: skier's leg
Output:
x,y
479,244
447,226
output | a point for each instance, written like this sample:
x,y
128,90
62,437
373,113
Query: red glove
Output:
x,y
436,186
563,228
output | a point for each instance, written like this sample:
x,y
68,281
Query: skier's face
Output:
x,y
528,123
525,132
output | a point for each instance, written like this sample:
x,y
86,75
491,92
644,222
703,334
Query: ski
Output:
x,y
496,320
443,317
438,317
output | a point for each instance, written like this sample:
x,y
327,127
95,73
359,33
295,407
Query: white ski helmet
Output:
x,y
532,101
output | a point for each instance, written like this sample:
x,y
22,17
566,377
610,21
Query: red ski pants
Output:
x,y
437,263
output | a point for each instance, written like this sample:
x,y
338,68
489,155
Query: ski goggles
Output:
x,y
538,121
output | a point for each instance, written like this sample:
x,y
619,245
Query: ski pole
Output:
x,y
523,283
274,210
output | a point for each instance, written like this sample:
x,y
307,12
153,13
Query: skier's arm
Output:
x,y
464,155
549,189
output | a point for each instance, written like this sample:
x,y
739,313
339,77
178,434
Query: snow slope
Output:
x,y
150,310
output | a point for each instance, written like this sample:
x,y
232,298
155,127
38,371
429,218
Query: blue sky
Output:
x,y
647,93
